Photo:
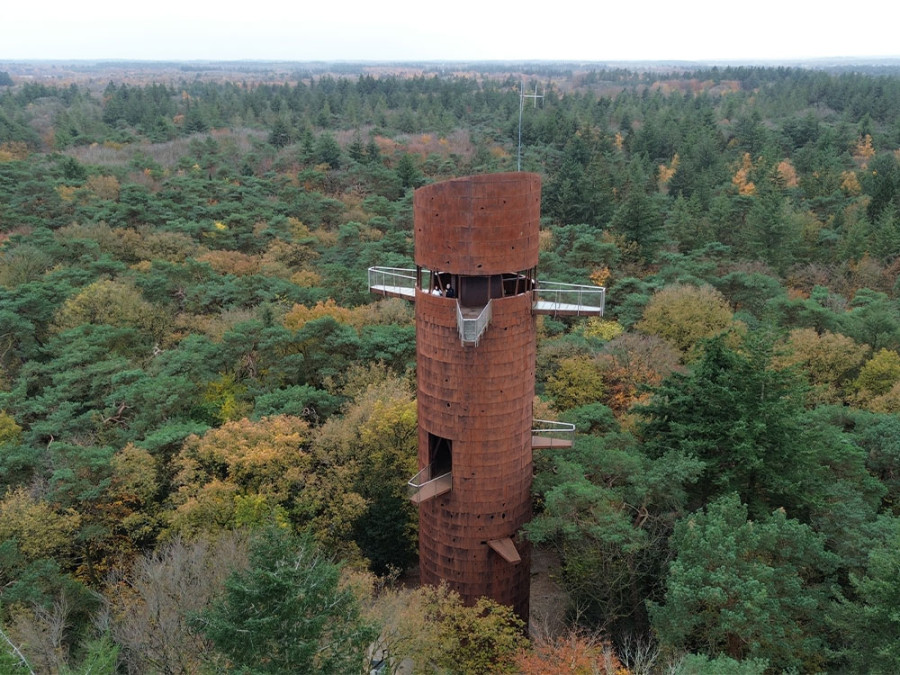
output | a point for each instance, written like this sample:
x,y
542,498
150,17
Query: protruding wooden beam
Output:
x,y
507,550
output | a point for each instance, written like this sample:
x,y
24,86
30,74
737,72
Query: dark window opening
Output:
x,y
516,284
440,455
476,291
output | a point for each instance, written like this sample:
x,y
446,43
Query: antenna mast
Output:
x,y
522,97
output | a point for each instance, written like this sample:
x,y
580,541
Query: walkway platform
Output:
x,y
547,443
395,291
565,309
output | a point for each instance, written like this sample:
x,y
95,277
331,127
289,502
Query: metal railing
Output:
x,y
552,429
570,297
392,278
471,330
422,479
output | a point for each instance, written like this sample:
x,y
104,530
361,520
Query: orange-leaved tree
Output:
x,y
571,654
631,364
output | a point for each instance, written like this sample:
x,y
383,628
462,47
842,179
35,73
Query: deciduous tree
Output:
x,y
151,602
879,374
377,437
577,381
685,314
571,654
827,359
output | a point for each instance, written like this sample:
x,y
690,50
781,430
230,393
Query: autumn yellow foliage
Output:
x,y
827,359
665,172
225,397
231,262
576,382
306,278
603,328
850,184
863,151
267,460
113,303
432,629
66,192
13,150
545,240
878,376
104,187
685,314
888,402
10,431
299,315
600,276
787,173
38,530
741,179
134,473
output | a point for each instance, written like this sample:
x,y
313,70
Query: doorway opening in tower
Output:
x,y
440,455
475,291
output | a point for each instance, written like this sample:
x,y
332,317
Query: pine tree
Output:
x,y
747,589
286,613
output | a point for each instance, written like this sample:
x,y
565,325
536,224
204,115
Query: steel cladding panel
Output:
x,y
479,225
481,399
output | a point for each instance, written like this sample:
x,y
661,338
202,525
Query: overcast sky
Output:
x,y
353,30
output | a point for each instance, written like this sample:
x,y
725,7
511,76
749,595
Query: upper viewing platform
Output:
x,y
551,298
558,299
394,282
476,243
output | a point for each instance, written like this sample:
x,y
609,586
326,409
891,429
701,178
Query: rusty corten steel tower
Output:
x,y
476,294
475,393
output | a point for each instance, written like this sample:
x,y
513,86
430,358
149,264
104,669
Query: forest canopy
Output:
x,y
194,376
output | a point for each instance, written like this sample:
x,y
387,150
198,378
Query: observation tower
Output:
x,y
476,293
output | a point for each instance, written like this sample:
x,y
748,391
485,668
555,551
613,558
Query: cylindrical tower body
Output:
x,y
480,235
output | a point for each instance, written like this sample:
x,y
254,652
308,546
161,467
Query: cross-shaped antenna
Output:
x,y
522,97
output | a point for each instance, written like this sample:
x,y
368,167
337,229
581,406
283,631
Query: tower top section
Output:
x,y
479,225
